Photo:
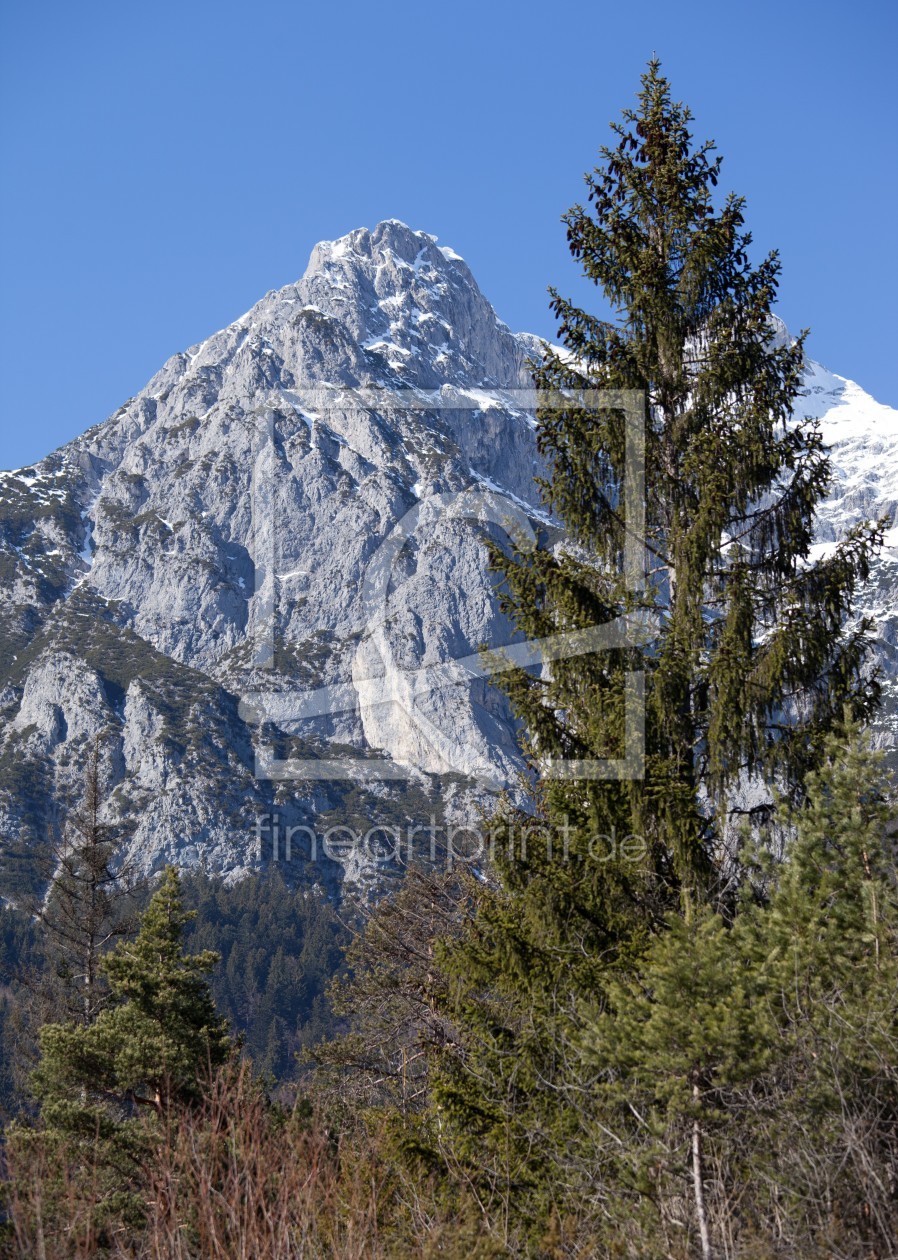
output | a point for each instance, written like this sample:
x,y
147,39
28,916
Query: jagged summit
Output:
x,y
402,305
389,236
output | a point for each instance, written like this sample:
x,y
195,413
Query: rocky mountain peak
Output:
x,y
140,569
411,307
390,237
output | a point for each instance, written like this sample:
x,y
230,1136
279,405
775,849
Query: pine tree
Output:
x,y
827,945
678,1038
106,1089
157,1042
833,916
748,665
161,1037
753,1061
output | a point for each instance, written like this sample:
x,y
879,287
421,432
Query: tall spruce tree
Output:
x,y
751,665
748,666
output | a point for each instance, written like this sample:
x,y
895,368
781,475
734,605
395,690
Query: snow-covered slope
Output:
x,y
247,500
862,435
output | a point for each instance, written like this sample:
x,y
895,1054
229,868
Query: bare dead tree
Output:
x,y
393,997
90,899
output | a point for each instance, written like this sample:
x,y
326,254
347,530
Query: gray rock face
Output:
x,y
222,536
273,555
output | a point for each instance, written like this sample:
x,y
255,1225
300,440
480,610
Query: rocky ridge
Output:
x,y
262,582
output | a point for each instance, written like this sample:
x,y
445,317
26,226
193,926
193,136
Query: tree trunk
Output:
x,y
698,1178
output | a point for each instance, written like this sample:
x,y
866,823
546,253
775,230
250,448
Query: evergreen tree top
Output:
x,y
135,968
157,1041
750,663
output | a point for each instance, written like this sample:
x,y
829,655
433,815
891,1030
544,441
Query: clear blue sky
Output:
x,y
163,165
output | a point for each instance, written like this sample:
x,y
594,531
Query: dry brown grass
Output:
x,y
238,1180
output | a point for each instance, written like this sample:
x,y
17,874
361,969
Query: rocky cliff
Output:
x,y
260,586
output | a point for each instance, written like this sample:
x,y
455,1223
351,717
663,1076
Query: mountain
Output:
x,y
862,435
260,586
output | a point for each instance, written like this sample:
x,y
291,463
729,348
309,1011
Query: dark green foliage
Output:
x,y
771,1042
155,1042
728,1087
749,665
25,856
20,956
746,662
280,949
153,1047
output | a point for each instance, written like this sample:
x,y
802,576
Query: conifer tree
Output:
x,y
827,948
89,903
833,915
748,665
679,1038
106,1089
753,1063
157,1041
393,997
